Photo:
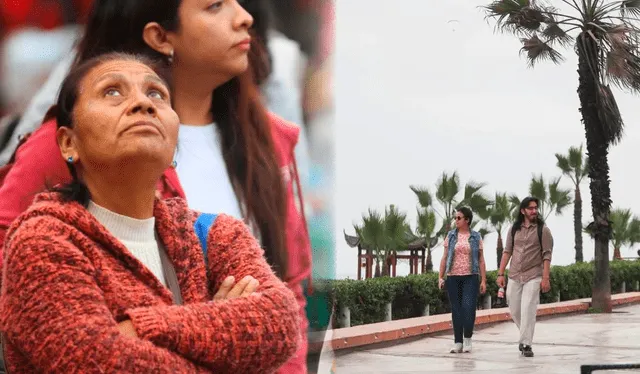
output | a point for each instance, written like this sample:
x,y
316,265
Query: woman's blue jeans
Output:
x,y
463,296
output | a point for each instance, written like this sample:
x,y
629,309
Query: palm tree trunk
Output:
x,y
597,151
499,249
577,224
616,253
386,264
429,264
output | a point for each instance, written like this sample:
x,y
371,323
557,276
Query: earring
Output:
x,y
170,57
70,159
174,163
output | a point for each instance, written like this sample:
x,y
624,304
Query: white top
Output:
x,y
138,235
203,173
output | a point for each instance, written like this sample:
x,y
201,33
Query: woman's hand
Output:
x,y
483,287
245,287
126,328
440,283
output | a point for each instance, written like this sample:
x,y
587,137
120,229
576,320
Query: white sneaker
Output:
x,y
466,346
457,348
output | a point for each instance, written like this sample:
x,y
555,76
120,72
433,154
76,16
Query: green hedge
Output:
x,y
409,295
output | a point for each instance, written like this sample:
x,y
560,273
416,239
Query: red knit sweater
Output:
x,y
68,282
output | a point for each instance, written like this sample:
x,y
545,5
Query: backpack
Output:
x,y
513,236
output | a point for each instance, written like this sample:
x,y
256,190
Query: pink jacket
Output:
x,y
39,165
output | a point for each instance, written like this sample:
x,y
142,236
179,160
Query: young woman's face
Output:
x,y
122,116
212,36
461,222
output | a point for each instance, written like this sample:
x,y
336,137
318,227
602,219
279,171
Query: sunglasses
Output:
x,y
458,218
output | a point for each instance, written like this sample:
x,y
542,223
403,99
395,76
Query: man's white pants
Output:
x,y
523,300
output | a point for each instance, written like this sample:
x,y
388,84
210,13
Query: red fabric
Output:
x,y
39,164
45,14
68,282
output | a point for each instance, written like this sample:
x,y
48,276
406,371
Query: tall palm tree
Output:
x,y
575,166
500,216
604,35
626,230
553,198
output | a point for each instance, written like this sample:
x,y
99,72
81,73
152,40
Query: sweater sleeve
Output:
x,y
54,313
38,165
254,334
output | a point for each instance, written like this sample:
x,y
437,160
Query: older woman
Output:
x,y
462,262
100,276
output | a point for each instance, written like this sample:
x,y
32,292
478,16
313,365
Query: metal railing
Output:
x,y
588,369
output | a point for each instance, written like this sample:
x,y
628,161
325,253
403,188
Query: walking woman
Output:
x,y
232,156
463,263
103,277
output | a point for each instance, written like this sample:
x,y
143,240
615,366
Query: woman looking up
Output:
x,y
103,277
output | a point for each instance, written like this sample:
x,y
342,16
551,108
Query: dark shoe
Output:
x,y
520,346
527,351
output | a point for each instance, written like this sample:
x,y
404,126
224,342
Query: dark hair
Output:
x,y
76,190
260,56
467,213
517,224
242,121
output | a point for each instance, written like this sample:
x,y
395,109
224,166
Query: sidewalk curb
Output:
x,y
391,331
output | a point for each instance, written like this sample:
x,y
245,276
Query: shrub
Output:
x,y
367,299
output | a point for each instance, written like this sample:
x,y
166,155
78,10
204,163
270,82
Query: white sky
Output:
x,y
417,95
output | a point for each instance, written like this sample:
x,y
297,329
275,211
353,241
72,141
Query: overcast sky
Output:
x,y
424,87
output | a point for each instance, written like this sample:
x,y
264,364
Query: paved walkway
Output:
x,y
561,345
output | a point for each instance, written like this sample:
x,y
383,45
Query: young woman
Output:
x,y
462,262
232,156
103,277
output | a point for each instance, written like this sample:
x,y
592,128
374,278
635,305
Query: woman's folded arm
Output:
x,y
256,333
54,312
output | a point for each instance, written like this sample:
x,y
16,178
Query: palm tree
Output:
x,y
626,230
396,232
501,215
427,222
371,234
553,199
604,35
447,194
575,166
426,229
383,235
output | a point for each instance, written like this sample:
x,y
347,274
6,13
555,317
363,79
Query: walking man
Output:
x,y
529,246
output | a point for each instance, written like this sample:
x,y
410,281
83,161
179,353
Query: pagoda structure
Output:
x,y
414,252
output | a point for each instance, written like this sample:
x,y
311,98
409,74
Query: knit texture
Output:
x,y
68,282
